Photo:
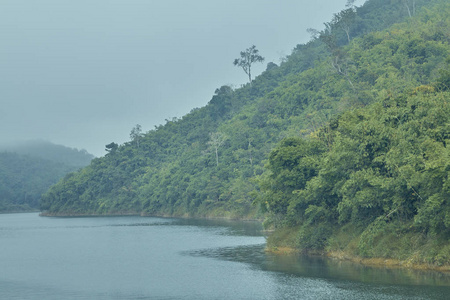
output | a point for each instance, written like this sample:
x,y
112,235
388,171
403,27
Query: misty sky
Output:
x,y
82,73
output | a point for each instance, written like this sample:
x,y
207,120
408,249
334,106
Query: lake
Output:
x,y
163,258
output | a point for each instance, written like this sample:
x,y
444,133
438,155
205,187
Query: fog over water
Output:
x,y
83,73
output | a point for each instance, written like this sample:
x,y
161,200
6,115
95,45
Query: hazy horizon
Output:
x,y
83,73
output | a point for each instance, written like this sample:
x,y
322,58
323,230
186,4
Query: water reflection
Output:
x,y
323,278
237,228
306,265
325,268
330,268
139,258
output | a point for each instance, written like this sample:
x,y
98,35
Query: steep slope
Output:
x,y
203,163
374,181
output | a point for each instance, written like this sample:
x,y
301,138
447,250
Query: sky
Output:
x,y
83,73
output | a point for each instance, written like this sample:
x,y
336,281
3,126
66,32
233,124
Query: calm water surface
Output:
x,y
156,258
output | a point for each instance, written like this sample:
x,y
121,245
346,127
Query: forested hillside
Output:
x,y
28,169
341,144
49,151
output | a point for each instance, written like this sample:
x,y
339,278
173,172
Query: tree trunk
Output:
x,y
407,7
347,31
217,157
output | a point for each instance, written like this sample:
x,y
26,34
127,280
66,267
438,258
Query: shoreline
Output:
x,y
388,263
18,212
137,214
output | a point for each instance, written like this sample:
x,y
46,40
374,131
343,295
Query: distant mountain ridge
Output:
x,y
49,151
28,169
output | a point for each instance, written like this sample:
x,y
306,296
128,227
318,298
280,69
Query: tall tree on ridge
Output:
x,y
248,57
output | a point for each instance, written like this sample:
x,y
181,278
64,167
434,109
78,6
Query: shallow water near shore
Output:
x,y
163,258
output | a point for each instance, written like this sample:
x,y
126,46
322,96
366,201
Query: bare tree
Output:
x,y
411,10
217,139
250,147
339,60
248,58
344,20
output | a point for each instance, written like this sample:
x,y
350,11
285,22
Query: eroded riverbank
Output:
x,y
372,262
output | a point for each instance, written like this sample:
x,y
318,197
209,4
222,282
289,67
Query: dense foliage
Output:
x,y
25,175
381,187
348,135
385,172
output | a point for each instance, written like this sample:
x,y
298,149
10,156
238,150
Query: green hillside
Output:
x,y
343,147
28,169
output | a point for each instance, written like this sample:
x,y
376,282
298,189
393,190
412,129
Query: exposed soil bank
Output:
x,y
372,262
387,262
